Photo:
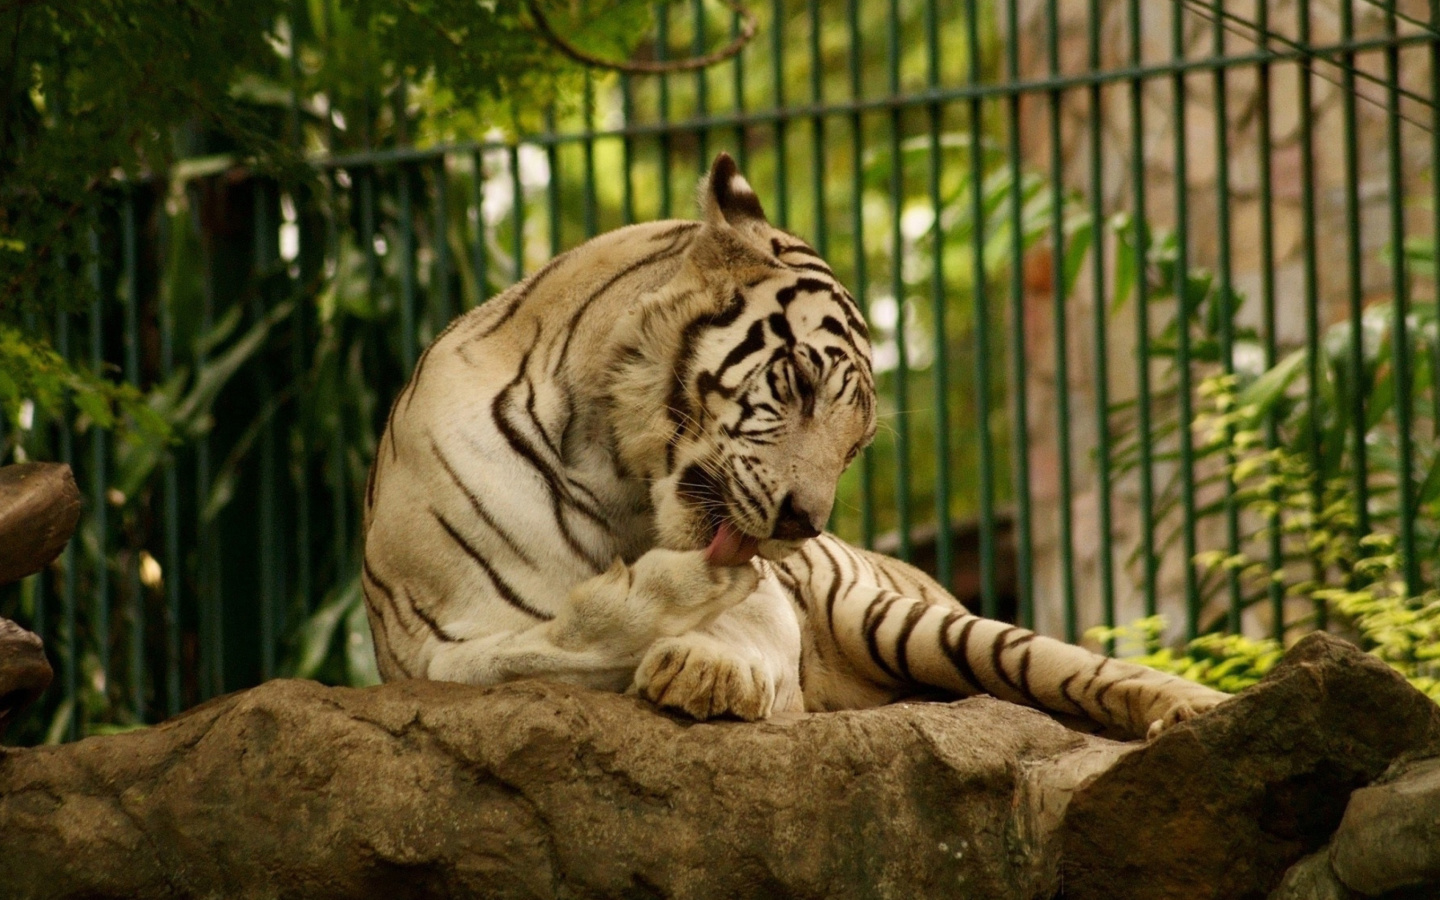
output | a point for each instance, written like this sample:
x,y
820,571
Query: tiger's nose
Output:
x,y
795,523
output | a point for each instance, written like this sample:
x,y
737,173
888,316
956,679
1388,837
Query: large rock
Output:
x,y
24,671
39,509
541,790
527,790
1222,807
1390,836
1312,879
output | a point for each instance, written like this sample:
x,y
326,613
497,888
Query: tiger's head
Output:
x,y
768,392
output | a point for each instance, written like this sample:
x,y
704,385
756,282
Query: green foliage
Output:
x,y
35,379
1402,632
1281,455
334,643
1226,662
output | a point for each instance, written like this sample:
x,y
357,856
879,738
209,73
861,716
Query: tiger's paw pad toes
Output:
x,y
1182,712
704,682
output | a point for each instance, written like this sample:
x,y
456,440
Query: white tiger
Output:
x,y
617,474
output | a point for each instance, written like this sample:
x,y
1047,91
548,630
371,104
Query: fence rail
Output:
x,y
1076,231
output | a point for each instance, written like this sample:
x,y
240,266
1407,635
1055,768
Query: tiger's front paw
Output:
x,y
1197,702
703,678
685,592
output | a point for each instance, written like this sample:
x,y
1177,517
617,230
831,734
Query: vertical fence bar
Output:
x,y
1435,210
662,52
70,664
441,305
1100,338
1180,97
1142,318
982,317
1019,402
1275,590
1353,270
136,599
478,250
517,212
702,88
588,150
170,480
817,134
777,68
940,368
1311,282
340,506
857,226
737,71
897,290
263,263
406,233
1226,291
367,228
211,629
299,364
99,505
1061,323
1400,338
627,152
298,455
552,185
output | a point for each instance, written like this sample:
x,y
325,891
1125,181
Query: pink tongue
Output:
x,y
731,547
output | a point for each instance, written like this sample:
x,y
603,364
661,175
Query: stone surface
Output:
x,y
1222,806
540,790
24,671
1312,879
526,790
1390,835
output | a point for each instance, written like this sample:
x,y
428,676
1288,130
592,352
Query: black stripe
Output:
x,y
786,295
834,592
1129,717
419,613
539,426
478,507
833,326
414,383
677,406
1065,692
367,574
875,615
674,248
370,483
997,662
902,640
959,652
521,292
506,591
746,496
753,342
853,317
560,493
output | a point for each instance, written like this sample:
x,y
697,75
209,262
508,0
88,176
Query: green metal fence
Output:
x,y
1050,210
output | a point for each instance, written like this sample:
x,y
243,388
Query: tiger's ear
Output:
x,y
726,198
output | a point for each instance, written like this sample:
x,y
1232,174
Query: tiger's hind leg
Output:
x,y
914,633
900,639
744,664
